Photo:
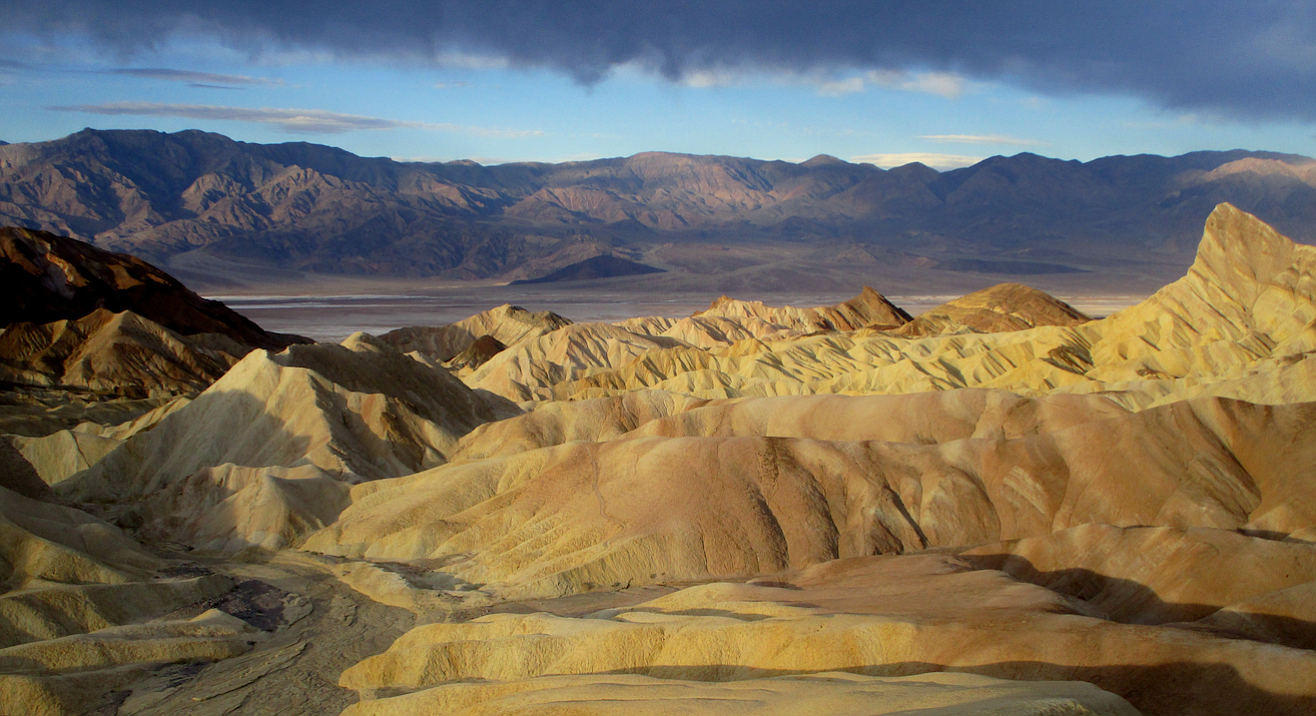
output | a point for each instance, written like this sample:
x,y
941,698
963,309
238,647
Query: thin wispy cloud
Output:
x,y
299,121
936,161
994,139
8,68
451,85
208,80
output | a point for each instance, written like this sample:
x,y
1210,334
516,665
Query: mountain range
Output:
x,y
175,198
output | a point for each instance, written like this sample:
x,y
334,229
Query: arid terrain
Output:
x,y
1000,503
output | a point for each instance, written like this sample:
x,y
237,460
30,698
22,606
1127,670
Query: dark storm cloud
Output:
x,y
1248,59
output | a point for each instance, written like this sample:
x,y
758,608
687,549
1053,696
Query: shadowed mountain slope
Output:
x,y
49,278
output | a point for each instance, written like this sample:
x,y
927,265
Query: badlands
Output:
x,y
999,506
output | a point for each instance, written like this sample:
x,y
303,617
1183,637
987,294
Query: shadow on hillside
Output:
x,y
1131,602
165,462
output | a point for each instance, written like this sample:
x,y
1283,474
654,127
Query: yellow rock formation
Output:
x,y
1240,325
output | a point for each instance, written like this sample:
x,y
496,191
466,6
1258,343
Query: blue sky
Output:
x,y
477,92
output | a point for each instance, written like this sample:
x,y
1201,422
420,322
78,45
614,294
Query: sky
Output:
x,y
944,82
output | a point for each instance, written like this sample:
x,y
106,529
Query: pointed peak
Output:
x,y
719,302
1243,236
877,309
1240,252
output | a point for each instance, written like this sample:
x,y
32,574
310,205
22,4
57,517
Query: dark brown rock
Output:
x,y
47,278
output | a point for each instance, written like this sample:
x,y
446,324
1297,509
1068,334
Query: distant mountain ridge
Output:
x,y
321,209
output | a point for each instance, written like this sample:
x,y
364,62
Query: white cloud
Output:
x,y
837,88
944,84
709,78
300,121
936,161
980,139
451,85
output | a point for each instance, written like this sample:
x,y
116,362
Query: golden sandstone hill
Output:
x,y
999,506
